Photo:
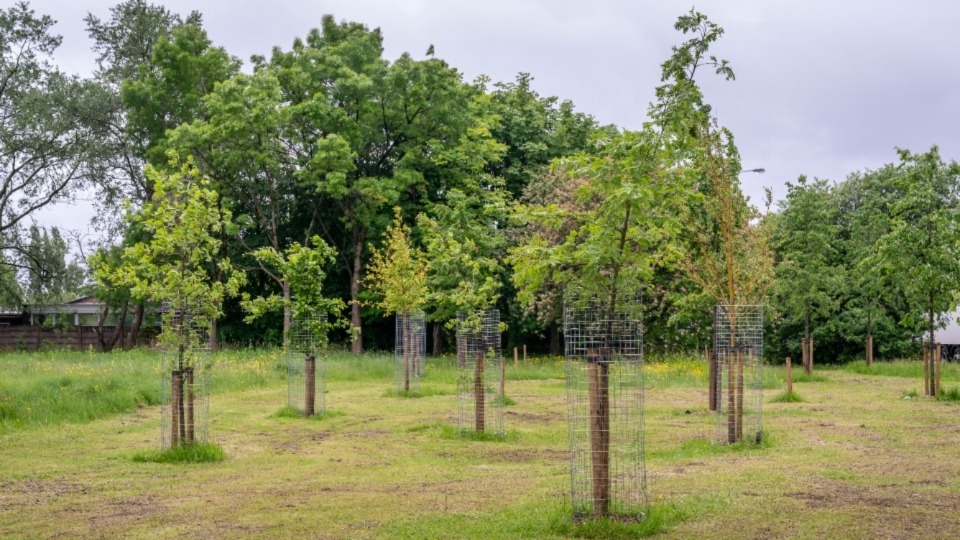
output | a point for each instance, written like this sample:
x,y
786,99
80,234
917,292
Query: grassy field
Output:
x,y
859,457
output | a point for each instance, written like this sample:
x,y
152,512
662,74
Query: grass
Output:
x,y
949,394
852,461
787,397
292,412
203,452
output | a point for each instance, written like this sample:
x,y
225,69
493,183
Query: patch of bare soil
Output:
x,y
34,492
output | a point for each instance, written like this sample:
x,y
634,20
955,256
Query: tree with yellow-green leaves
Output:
x,y
397,276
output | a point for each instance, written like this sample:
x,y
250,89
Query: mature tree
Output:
x,y
46,140
50,277
922,249
124,44
368,134
809,271
169,90
872,303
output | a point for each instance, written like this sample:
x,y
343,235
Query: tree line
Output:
x,y
314,156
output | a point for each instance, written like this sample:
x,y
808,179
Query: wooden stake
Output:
x,y
811,357
503,379
712,380
176,387
478,393
515,364
309,385
740,360
937,355
190,400
731,399
869,351
524,353
926,370
598,389
789,377
406,356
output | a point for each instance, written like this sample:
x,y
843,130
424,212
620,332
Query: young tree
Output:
x,y
182,224
303,268
397,276
922,249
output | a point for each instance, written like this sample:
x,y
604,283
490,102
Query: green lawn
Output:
x,y
854,459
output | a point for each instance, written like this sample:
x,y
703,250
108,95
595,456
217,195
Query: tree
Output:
x,y
51,278
367,134
397,276
124,44
47,137
922,249
809,274
182,223
303,268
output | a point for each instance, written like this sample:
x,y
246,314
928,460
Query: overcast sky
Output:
x,y
823,88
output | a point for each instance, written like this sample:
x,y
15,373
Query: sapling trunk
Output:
x,y
598,384
731,399
926,369
310,385
789,377
180,394
190,398
712,370
478,393
740,358
936,381
176,387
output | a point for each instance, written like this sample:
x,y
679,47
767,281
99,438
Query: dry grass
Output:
x,y
853,460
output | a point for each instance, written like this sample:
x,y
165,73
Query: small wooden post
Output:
x,y
478,393
740,359
599,431
524,353
938,356
188,383
515,361
789,377
731,399
712,379
503,379
176,389
310,385
810,366
869,350
926,369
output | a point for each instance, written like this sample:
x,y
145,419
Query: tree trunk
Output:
x,y
176,394
933,390
310,385
357,346
405,347
712,377
599,432
118,329
869,337
285,287
190,398
437,338
555,339
731,399
214,344
478,393
135,326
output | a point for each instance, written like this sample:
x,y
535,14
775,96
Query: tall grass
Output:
x,y
903,368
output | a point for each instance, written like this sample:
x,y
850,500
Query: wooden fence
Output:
x,y
33,338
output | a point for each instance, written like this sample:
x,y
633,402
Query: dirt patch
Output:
x,y
542,418
33,492
828,494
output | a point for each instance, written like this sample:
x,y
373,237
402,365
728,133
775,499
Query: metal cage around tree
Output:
x,y
306,367
410,350
479,404
185,385
604,372
738,352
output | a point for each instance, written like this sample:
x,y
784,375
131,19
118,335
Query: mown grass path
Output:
x,y
854,460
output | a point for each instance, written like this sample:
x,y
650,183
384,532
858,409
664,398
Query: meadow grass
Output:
x,y
201,452
385,467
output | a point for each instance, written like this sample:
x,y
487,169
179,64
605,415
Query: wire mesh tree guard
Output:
x,y
410,349
306,369
479,405
604,371
185,386
738,349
